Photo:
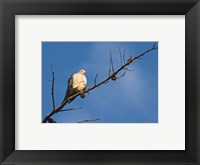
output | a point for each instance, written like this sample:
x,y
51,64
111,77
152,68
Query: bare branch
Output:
x,y
52,88
111,61
130,70
154,45
106,80
84,121
95,79
110,66
50,120
124,57
120,53
70,109
122,75
127,69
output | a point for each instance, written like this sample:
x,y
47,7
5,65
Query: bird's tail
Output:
x,y
67,97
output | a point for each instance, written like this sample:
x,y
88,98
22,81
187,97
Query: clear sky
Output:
x,y
131,99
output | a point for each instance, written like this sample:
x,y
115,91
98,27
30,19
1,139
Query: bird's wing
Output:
x,y
76,80
69,88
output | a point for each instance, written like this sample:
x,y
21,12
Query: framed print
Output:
x,y
130,97
99,82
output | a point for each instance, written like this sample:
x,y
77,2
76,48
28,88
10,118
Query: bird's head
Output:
x,y
82,71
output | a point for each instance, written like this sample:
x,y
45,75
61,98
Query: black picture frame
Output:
x,y
10,8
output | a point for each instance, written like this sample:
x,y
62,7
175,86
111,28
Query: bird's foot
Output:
x,y
82,95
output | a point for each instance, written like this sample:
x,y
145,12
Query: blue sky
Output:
x,y
131,99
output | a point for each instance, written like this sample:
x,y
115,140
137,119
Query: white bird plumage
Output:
x,y
76,83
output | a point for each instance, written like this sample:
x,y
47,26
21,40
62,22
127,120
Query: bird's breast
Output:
x,y
79,81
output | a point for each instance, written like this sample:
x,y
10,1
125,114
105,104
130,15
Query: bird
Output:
x,y
76,83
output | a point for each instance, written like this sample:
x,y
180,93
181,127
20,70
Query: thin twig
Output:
x,y
154,45
126,69
84,121
95,80
109,72
112,62
124,57
97,85
120,53
70,109
122,75
52,88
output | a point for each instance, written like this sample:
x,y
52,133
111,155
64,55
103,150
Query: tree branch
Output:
x,y
52,87
84,121
120,53
70,109
95,80
111,62
124,57
50,120
110,77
